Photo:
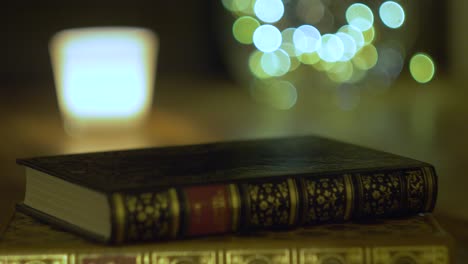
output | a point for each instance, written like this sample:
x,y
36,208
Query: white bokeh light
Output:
x,y
267,38
355,33
349,46
307,39
332,48
276,63
392,14
360,16
269,11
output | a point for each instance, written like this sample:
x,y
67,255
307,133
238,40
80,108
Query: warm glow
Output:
x,y
269,11
422,68
360,16
244,28
392,14
267,38
104,74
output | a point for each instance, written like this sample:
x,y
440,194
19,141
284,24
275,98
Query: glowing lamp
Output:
x,y
104,75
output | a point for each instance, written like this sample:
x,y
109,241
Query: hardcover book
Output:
x,y
417,239
183,191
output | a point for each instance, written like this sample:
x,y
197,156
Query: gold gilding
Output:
x,y
430,187
235,206
294,201
349,196
119,218
175,212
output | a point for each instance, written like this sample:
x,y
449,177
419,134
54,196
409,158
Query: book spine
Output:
x,y
364,255
271,204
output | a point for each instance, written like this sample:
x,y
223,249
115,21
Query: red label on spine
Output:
x,y
209,210
106,259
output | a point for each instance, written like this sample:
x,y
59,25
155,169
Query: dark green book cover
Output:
x,y
173,192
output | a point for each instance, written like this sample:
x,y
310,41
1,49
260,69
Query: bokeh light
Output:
x,y
422,68
331,49
355,33
244,28
237,5
307,39
366,58
390,61
360,16
269,11
267,38
349,46
309,58
278,94
287,43
310,11
276,63
369,35
255,65
341,71
392,14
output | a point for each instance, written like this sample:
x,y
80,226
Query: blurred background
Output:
x,y
208,87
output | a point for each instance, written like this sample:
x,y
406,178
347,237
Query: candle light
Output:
x,y
104,76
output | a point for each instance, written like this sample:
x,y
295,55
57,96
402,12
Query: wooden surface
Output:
x,y
429,123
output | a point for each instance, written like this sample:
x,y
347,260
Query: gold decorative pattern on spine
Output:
x,y
119,217
294,197
348,255
411,254
169,257
349,196
428,175
175,212
35,259
235,206
270,256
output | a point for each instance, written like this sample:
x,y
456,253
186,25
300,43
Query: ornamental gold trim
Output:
x,y
119,218
418,254
294,197
191,256
429,177
175,212
349,196
235,206
38,259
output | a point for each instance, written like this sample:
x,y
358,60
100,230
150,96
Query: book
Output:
x,y
185,191
416,239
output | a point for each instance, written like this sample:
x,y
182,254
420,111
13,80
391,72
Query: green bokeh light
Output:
x,y
366,58
422,68
360,16
244,28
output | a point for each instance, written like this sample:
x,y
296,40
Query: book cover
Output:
x,y
184,191
417,239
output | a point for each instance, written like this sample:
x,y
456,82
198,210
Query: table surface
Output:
x,y
428,122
